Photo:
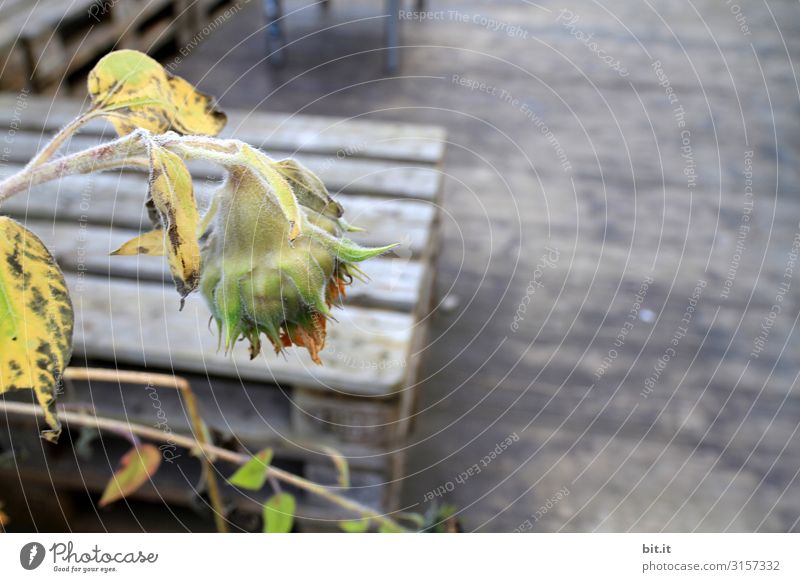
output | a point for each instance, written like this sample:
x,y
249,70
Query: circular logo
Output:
x,y
31,555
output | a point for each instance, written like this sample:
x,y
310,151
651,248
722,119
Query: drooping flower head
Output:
x,y
260,277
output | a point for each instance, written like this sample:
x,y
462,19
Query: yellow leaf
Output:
x,y
173,198
36,319
136,468
137,92
150,244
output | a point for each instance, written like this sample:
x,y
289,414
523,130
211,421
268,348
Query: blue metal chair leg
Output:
x,y
276,41
393,35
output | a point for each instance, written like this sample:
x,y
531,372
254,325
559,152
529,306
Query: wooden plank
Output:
x,y
118,199
394,283
139,324
253,415
356,175
332,137
350,419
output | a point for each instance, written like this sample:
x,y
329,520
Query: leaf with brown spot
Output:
x,y
137,92
36,319
137,466
173,198
150,243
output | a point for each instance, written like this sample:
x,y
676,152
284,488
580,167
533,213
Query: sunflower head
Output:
x,y
258,282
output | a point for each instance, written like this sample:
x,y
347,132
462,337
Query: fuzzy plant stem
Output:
x,y
58,140
212,451
129,150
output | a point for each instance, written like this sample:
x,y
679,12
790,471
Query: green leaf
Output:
x,y
279,513
355,525
36,319
416,518
253,474
388,528
136,468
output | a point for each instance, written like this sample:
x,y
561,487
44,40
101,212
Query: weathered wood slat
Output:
x,y
357,175
139,324
395,283
252,414
117,199
334,138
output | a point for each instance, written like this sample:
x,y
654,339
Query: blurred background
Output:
x,y
612,344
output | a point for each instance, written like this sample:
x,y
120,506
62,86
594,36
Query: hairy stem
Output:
x,y
127,151
58,139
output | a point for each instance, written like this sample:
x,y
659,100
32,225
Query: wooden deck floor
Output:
x,y
598,190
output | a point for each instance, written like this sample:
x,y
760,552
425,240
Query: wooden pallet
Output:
x,y
42,43
388,178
